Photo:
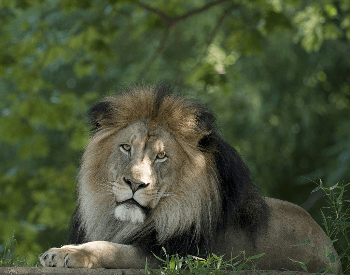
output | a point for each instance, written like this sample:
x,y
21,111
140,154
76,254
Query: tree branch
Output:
x,y
218,24
211,37
170,21
166,18
206,7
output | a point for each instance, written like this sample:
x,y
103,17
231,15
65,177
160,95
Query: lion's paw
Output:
x,y
66,256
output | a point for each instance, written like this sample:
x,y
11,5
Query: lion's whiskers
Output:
x,y
166,195
105,186
162,195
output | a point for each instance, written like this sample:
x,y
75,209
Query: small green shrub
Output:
x,y
195,265
336,222
7,257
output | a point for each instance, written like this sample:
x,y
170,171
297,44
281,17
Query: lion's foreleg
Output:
x,y
94,255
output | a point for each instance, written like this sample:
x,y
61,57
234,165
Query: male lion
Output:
x,y
157,174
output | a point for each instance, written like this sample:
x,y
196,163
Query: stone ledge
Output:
x,y
103,271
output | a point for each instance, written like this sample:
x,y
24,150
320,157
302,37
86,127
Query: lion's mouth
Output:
x,y
131,202
131,210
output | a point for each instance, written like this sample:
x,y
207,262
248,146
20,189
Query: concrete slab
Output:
x,y
102,271
57,270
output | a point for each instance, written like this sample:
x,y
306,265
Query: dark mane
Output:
x,y
241,202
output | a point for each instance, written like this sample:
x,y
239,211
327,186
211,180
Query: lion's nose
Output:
x,y
135,184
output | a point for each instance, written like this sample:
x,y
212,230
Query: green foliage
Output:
x,y
7,258
213,264
275,72
336,221
336,224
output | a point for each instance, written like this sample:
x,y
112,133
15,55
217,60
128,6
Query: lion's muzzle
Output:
x,y
135,184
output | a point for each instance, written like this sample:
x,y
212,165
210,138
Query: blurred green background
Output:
x,y
276,73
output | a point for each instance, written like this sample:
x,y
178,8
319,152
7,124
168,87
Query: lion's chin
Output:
x,y
129,213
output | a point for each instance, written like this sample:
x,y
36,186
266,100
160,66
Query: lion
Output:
x,y
156,174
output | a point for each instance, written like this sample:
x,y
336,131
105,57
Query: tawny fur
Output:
x,y
156,174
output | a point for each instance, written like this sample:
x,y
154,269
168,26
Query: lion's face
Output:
x,y
141,169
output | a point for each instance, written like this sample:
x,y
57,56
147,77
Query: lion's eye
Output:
x,y
161,156
125,147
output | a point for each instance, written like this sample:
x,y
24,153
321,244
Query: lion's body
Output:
x,y
289,225
156,174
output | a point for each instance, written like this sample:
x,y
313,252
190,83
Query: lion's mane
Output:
x,y
214,186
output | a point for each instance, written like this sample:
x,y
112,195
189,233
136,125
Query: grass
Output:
x,y
215,265
7,257
335,220
195,265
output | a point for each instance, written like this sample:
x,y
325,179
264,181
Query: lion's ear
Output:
x,y
98,113
206,124
207,142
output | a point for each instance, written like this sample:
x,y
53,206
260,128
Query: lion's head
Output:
x,y
156,168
